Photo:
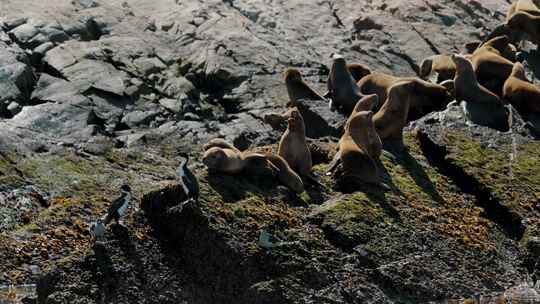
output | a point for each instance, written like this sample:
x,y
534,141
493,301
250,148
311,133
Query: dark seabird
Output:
x,y
188,180
119,206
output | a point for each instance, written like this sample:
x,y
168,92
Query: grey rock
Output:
x,y
49,88
137,118
24,32
173,105
14,108
147,66
87,74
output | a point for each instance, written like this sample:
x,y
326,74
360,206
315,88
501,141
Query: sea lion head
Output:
x,y
519,20
213,157
361,120
499,42
367,102
358,70
339,60
462,63
295,120
292,75
518,71
425,67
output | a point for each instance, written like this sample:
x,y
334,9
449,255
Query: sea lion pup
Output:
x,y
480,105
392,117
342,88
527,23
353,159
522,94
427,96
294,149
440,64
223,157
298,89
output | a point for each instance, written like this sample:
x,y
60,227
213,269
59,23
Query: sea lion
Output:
x,y
367,103
520,92
491,67
527,23
342,88
353,159
298,89
427,96
392,117
293,146
480,105
527,6
221,156
358,70
440,64
466,85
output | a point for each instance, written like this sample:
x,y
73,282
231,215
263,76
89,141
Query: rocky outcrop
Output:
x,y
97,93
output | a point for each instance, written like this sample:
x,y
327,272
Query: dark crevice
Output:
x,y
408,59
428,42
508,220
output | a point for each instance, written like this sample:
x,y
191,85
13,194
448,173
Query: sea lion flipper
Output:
x,y
334,164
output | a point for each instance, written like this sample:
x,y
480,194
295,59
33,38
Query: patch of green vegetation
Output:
x,y
513,179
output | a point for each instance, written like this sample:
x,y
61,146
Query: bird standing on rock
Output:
x,y
119,207
116,211
188,180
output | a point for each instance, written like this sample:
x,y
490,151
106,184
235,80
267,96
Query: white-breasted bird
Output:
x,y
97,230
188,179
119,206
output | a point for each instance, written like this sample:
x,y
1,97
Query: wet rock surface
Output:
x,y
97,93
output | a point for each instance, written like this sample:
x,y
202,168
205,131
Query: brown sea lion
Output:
x,y
223,157
293,146
358,70
466,85
353,159
392,117
440,64
491,68
342,88
527,6
427,96
527,23
367,103
480,105
520,92
298,89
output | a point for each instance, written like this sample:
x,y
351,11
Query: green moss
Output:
x,y
516,182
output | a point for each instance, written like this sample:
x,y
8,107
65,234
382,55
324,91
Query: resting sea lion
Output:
x,y
527,6
527,23
223,157
427,96
491,68
522,94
